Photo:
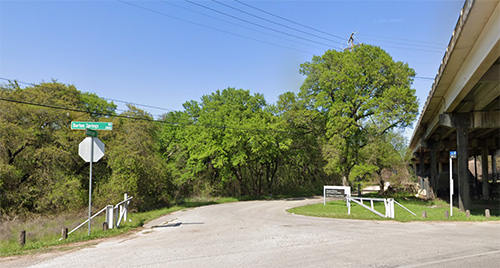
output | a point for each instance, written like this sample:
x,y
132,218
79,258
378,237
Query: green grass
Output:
x,y
435,211
43,234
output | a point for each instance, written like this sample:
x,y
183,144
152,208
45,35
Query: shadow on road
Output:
x,y
177,224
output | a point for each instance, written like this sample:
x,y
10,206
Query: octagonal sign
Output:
x,y
84,149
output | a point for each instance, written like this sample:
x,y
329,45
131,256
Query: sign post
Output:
x,y
453,155
91,149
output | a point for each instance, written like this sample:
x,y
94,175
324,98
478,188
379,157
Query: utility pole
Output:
x,y
350,41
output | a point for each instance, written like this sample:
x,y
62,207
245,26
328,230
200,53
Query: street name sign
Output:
x,y
91,133
92,125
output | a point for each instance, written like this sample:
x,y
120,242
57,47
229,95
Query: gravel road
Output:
x,y
263,234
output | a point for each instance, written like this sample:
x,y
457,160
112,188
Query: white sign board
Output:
x,y
336,191
84,149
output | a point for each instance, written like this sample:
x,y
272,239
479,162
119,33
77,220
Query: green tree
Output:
x,y
97,107
40,169
362,93
134,163
227,144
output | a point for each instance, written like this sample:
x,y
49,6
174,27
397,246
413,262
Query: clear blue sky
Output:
x,y
164,53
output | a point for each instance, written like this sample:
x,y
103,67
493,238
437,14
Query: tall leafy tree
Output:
x,y
39,163
362,93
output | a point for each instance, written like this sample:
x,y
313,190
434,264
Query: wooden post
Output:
x,y
64,233
105,226
22,238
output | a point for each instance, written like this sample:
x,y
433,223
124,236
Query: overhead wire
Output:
x,y
273,22
257,24
291,21
109,99
403,39
196,124
238,25
209,27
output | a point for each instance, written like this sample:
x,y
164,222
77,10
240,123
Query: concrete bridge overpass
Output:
x,y
462,111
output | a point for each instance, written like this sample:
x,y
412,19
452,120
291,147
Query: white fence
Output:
x,y
111,216
388,204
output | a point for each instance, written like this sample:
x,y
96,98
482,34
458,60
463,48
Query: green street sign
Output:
x,y
91,133
92,125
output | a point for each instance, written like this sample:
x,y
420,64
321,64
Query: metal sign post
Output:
x,y
453,155
91,149
90,178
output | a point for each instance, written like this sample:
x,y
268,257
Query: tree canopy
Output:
x,y
362,93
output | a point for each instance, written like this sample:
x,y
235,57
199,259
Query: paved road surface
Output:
x,y
263,234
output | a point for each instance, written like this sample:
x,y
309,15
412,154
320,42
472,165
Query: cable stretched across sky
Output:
x,y
276,23
194,123
258,25
291,21
209,27
238,25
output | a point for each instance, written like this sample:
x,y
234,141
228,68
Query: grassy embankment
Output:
x,y
43,233
435,210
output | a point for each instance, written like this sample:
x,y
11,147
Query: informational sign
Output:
x,y
453,154
92,125
336,191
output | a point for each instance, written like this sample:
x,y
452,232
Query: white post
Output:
x,y
451,187
392,207
125,197
324,196
349,205
110,219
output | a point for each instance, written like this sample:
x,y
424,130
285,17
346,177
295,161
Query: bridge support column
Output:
x,y
463,169
494,167
421,167
484,167
433,170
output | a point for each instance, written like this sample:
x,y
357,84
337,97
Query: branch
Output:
x,y
12,156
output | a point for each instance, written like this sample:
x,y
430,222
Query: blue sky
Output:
x,y
164,53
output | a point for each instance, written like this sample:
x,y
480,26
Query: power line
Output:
x,y
223,127
291,21
273,22
209,27
113,100
239,25
256,24
406,44
424,78
407,48
402,39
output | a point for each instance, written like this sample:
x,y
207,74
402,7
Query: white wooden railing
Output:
x,y
388,204
111,220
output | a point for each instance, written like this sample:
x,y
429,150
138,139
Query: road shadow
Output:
x,y
177,224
